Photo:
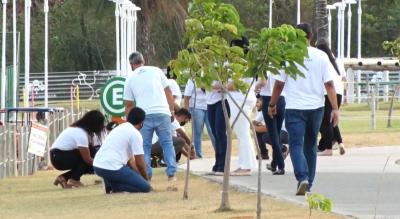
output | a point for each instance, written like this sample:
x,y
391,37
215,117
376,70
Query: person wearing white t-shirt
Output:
x,y
70,151
179,137
261,129
148,88
175,89
218,128
274,124
120,160
195,100
246,157
330,134
304,110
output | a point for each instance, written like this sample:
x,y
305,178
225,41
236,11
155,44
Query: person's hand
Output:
x,y
271,111
334,117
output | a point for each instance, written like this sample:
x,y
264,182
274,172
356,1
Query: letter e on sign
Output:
x,y
111,96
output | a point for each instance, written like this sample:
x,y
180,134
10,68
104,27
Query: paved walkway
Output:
x,y
355,182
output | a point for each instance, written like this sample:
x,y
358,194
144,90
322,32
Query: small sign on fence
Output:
x,y
38,139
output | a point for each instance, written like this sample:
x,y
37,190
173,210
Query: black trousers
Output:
x,y
72,161
328,132
261,143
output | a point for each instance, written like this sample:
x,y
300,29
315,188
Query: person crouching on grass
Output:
x,y
120,160
70,151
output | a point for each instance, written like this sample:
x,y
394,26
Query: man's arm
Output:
x,y
141,166
276,92
186,100
128,106
183,135
330,90
170,99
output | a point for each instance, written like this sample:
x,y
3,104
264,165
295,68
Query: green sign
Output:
x,y
111,96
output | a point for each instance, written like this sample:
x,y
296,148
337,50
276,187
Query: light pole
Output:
x,y
349,14
3,60
329,8
298,11
15,70
359,13
28,5
46,53
343,9
339,28
270,13
117,40
125,33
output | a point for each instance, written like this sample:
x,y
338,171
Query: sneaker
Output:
x,y
302,187
269,167
341,149
326,152
279,172
172,183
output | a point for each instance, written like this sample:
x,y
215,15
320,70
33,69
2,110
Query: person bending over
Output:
x,y
120,160
179,137
70,151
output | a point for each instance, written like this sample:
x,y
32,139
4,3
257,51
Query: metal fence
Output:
x,y
363,85
14,140
60,83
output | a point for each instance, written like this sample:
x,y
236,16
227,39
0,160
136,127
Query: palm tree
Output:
x,y
321,21
168,16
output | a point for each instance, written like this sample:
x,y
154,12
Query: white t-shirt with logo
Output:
x,y
120,144
71,138
308,92
145,85
201,97
176,91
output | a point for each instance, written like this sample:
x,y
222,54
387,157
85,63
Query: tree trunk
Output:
x,y
321,21
225,206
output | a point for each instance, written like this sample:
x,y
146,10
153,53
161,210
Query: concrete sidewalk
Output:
x,y
355,182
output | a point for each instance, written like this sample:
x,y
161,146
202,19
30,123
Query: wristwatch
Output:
x,y
271,105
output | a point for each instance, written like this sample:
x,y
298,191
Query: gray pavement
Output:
x,y
357,183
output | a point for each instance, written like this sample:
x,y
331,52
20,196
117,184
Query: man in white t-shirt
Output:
x,y
304,110
120,160
148,88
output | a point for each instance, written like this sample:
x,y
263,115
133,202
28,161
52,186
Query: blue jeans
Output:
x,y
199,118
123,180
274,127
303,126
218,128
161,124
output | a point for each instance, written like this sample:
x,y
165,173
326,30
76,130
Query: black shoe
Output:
x,y
269,167
279,172
302,187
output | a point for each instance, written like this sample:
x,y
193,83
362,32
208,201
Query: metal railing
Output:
x,y
14,140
